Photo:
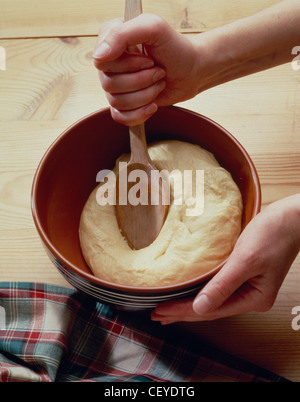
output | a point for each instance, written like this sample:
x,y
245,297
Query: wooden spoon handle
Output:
x,y
138,144
133,8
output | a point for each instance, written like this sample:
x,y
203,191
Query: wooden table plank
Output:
x,y
44,77
51,83
53,18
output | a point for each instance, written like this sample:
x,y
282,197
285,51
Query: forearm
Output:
x,y
293,217
284,215
250,45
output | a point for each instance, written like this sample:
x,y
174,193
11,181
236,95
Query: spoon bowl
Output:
x,y
142,212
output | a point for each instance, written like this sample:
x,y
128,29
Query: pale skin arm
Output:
x,y
178,67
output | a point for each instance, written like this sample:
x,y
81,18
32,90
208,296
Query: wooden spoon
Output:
x,y
140,223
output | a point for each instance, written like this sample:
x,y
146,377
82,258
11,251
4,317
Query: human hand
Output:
x,y
177,67
253,274
137,84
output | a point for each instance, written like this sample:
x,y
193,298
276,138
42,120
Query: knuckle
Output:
x,y
266,303
126,118
113,101
158,26
155,20
252,259
106,83
116,115
221,290
107,26
113,35
120,117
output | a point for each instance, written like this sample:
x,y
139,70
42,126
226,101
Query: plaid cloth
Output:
x,y
55,334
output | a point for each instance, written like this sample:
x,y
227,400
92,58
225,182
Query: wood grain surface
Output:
x,y
52,18
50,82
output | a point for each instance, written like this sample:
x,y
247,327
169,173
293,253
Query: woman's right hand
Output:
x,y
177,67
136,84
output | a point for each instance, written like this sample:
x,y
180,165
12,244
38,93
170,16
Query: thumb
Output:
x,y
219,289
107,47
116,36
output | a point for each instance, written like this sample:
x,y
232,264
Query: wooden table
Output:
x,y
50,82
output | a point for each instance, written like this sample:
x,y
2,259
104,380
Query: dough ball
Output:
x,y
187,246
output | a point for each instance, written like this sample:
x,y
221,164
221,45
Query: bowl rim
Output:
x,y
197,281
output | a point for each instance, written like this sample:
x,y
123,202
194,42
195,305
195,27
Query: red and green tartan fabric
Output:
x,y
55,334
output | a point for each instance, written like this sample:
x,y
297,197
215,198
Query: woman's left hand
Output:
x,y
252,275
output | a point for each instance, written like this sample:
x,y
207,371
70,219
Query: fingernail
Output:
x,y
147,64
202,304
159,75
101,51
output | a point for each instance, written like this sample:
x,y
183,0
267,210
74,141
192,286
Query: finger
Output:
x,y
127,62
168,321
178,311
242,265
134,117
117,36
164,320
231,277
130,82
107,25
137,99
106,28
245,299
217,291
182,307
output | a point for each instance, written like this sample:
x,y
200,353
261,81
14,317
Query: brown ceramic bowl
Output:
x,y
67,173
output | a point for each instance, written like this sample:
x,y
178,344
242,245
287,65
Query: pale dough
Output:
x,y
187,246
